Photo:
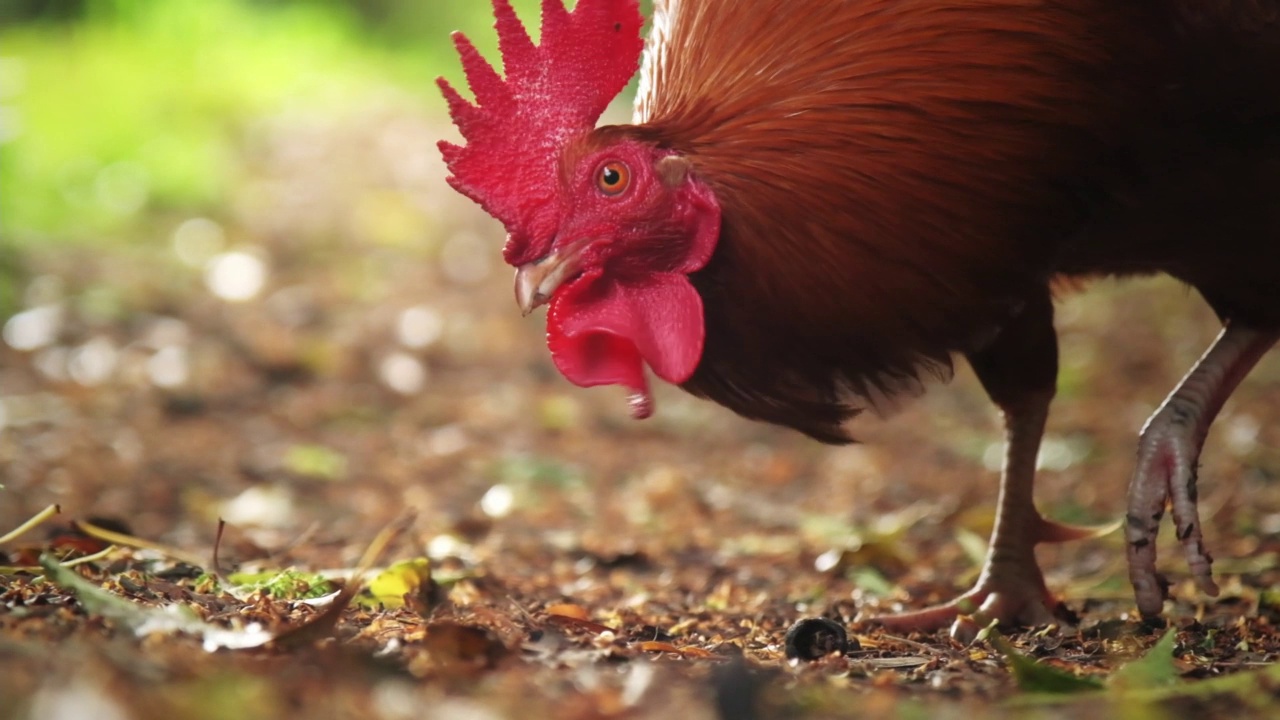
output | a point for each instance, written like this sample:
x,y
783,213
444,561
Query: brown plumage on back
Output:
x,y
891,187
821,203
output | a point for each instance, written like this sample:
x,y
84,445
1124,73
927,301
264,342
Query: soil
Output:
x,y
583,565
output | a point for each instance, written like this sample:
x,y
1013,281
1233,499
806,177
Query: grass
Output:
x,y
139,109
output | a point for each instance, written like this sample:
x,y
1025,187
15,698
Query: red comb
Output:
x,y
517,126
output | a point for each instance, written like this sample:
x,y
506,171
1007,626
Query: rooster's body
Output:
x,y
820,203
899,179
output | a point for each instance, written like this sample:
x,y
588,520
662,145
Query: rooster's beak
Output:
x,y
537,281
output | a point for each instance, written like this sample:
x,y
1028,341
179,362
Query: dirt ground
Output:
x,y
588,565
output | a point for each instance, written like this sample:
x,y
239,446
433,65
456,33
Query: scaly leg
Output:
x,y
1019,371
1168,453
1011,588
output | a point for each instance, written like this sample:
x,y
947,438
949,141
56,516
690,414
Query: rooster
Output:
x,y
819,205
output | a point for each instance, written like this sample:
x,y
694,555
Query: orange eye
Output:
x,y
613,178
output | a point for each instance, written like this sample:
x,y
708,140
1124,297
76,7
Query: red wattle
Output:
x,y
603,332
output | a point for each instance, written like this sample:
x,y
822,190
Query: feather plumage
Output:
x,y
896,178
821,202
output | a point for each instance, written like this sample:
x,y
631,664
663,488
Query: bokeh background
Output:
x,y
235,285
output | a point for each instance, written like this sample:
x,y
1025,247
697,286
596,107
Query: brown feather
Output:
x,y
898,178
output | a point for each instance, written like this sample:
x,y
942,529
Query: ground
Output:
x,y
338,353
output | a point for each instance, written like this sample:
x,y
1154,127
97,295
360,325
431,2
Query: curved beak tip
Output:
x,y
527,295
537,281
528,306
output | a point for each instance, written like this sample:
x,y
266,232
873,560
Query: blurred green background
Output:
x,y
117,113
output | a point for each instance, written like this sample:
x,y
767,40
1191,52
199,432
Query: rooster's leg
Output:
x,y
1168,453
1019,371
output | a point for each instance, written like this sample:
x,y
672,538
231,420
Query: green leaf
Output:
x,y
285,584
316,461
973,545
871,581
407,577
1155,669
1036,677
145,620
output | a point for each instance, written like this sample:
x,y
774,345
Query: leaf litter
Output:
x,y
550,557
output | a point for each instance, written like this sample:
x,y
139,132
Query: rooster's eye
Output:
x,y
613,178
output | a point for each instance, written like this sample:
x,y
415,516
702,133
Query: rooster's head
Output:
x,y
603,225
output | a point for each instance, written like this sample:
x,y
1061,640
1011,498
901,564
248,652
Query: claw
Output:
x,y
1168,453
1009,594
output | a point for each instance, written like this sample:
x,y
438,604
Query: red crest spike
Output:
x,y
517,126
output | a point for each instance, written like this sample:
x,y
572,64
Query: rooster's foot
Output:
x,y
1015,598
1166,477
